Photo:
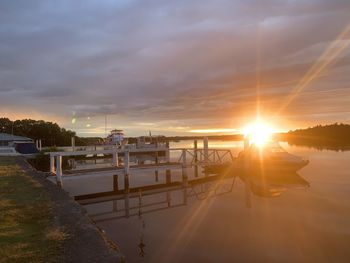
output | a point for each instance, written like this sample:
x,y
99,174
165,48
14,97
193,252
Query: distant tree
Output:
x,y
333,135
50,133
5,125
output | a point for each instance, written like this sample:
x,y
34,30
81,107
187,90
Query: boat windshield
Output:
x,y
275,147
272,147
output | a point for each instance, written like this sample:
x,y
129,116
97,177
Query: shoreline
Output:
x,y
85,241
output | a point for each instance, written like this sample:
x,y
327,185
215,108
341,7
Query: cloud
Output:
x,y
191,64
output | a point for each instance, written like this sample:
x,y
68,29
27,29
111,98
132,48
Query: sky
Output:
x,y
175,67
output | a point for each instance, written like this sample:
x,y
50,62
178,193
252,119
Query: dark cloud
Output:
x,y
171,63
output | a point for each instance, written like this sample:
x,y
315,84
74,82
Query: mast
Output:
x,y
106,125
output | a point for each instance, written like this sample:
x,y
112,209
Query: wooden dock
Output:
x,y
116,169
121,160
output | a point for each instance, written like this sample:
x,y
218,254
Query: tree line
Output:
x,y
51,134
333,135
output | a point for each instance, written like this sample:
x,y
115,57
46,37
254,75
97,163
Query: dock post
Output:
x,y
156,175
195,147
59,170
126,170
206,149
52,164
115,189
115,159
167,171
196,170
37,144
156,161
184,168
40,148
73,143
167,152
115,183
168,176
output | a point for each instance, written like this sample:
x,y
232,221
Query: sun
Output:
x,y
259,133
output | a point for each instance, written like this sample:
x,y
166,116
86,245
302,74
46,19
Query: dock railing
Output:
x,y
187,156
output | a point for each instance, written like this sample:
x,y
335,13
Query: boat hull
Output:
x,y
274,166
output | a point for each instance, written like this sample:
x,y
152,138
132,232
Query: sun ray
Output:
x,y
189,224
328,57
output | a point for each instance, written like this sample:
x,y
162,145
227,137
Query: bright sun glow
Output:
x,y
259,133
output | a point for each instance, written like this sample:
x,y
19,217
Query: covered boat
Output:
x,y
12,145
270,157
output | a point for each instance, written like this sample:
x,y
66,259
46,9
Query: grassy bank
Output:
x,y
27,231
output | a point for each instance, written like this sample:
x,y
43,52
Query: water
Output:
x,y
306,217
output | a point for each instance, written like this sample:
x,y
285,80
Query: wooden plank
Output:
x,y
110,151
121,168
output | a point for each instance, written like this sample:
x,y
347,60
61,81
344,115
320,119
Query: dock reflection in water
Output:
x,y
138,202
288,221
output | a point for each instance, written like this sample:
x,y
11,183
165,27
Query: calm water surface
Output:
x,y
303,217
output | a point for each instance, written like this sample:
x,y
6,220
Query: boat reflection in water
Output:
x,y
215,181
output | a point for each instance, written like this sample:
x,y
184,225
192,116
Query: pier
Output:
x,y
165,158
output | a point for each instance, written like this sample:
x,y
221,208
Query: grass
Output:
x,y
27,231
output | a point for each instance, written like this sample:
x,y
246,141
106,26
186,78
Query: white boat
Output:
x,y
116,137
270,157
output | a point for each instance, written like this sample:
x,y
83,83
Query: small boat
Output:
x,y
270,157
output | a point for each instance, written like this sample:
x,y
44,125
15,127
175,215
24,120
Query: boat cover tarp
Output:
x,y
26,148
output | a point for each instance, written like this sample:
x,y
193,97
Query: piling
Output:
x,y
115,189
206,149
184,176
184,168
196,170
52,164
167,152
168,176
115,183
167,158
73,143
156,175
115,159
195,151
59,171
126,170
126,181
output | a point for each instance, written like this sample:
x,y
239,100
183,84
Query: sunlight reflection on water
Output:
x,y
306,220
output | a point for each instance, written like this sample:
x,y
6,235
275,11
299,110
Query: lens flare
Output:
x,y
259,133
